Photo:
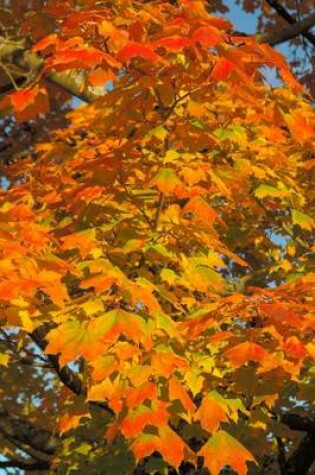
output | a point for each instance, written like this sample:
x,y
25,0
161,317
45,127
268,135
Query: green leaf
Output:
x,y
302,220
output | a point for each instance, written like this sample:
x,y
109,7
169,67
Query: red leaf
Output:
x,y
294,348
82,58
29,102
133,50
173,43
207,36
45,43
222,69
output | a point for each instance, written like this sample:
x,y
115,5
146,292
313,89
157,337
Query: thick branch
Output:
x,y
22,431
302,458
298,422
69,81
283,13
28,466
289,32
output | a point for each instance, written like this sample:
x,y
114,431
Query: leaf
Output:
x,y
281,314
223,450
212,411
215,409
99,77
87,58
172,447
311,349
222,69
303,220
244,352
178,391
133,50
29,102
72,339
168,444
201,210
173,43
138,395
85,241
265,190
207,36
294,348
71,421
145,445
166,181
141,416
4,359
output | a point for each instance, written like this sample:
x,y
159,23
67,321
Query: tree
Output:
x,y
157,281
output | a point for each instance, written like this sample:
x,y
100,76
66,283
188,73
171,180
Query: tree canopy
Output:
x,y
156,243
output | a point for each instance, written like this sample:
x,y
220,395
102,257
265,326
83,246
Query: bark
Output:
x,y
299,423
288,33
26,433
301,460
23,465
283,13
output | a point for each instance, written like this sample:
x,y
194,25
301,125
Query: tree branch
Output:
x,y
283,13
15,53
298,422
28,466
302,458
22,431
68,377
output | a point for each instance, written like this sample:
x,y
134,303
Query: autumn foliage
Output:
x,y
160,246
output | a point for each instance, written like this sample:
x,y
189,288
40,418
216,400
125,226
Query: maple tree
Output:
x,y
156,274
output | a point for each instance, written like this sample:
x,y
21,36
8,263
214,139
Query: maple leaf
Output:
x,y
222,69
244,352
133,50
26,101
207,36
168,443
85,59
232,453
173,43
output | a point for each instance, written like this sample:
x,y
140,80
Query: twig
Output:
x,y
158,212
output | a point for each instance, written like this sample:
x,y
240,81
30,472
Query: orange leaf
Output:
x,y
294,348
177,391
207,36
29,102
139,417
71,421
136,396
145,445
221,450
222,69
133,50
211,412
172,447
173,43
244,352
201,210
83,59
98,77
